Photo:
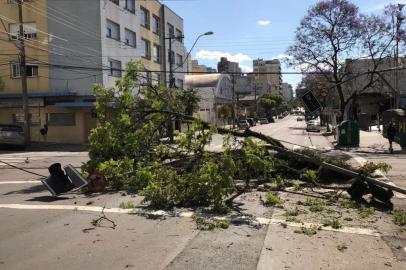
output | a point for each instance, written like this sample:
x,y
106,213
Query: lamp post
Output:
x,y
399,20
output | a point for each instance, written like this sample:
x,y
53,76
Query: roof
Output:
x,y
205,80
75,105
38,95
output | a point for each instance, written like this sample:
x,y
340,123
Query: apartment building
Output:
x,y
175,51
225,66
70,46
287,92
151,32
269,71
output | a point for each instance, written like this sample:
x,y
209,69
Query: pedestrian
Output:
x,y
390,133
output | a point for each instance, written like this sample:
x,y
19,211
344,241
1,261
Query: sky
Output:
x,y
248,29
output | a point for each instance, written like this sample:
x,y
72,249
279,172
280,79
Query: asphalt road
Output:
x,y
41,232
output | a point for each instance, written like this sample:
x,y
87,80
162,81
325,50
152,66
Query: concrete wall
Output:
x,y
76,134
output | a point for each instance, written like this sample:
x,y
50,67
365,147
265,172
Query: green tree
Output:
x,y
333,31
270,103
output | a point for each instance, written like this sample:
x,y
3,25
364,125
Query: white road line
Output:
x,y
350,230
20,182
188,214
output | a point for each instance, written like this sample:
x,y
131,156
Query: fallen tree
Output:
x,y
128,147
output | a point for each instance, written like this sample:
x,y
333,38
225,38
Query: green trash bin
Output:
x,y
348,133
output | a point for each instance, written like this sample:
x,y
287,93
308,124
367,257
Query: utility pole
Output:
x,y
23,74
171,79
234,103
399,20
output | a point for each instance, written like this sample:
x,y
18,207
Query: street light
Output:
x,y
209,33
171,77
399,19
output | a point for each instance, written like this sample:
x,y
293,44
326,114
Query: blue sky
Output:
x,y
247,29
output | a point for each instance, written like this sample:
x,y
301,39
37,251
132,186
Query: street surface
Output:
x,y
41,232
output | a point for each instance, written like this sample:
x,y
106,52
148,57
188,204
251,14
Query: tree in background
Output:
x,y
270,103
333,31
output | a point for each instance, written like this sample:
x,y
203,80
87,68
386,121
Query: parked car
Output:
x,y
263,121
12,135
243,124
300,118
251,121
313,125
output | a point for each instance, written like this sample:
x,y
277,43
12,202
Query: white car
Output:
x,y
313,125
12,135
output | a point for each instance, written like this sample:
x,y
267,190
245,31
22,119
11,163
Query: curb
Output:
x,y
378,174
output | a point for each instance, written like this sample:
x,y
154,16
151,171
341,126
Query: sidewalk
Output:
x,y
375,148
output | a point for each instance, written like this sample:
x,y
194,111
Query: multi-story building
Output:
x,y
269,71
70,46
386,88
287,92
151,32
225,66
175,51
201,68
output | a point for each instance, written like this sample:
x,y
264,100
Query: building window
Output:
x,y
171,56
115,68
130,5
158,78
156,55
31,70
117,2
146,77
171,30
30,30
18,118
113,30
179,60
155,25
179,35
61,119
130,38
144,17
146,53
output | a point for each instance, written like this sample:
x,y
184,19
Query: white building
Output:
x,y
215,90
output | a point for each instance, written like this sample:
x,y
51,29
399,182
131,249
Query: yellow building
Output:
x,y
151,28
72,45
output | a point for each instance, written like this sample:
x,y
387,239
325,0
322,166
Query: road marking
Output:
x,y
350,230
66,207
188,214
20,182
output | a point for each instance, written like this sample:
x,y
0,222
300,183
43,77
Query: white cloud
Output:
x,y
263,22
216,55
245,68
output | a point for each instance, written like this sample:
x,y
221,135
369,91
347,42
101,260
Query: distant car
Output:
x,y
263,121
300,118
251,121
243,124
313,125
281,116
12,135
